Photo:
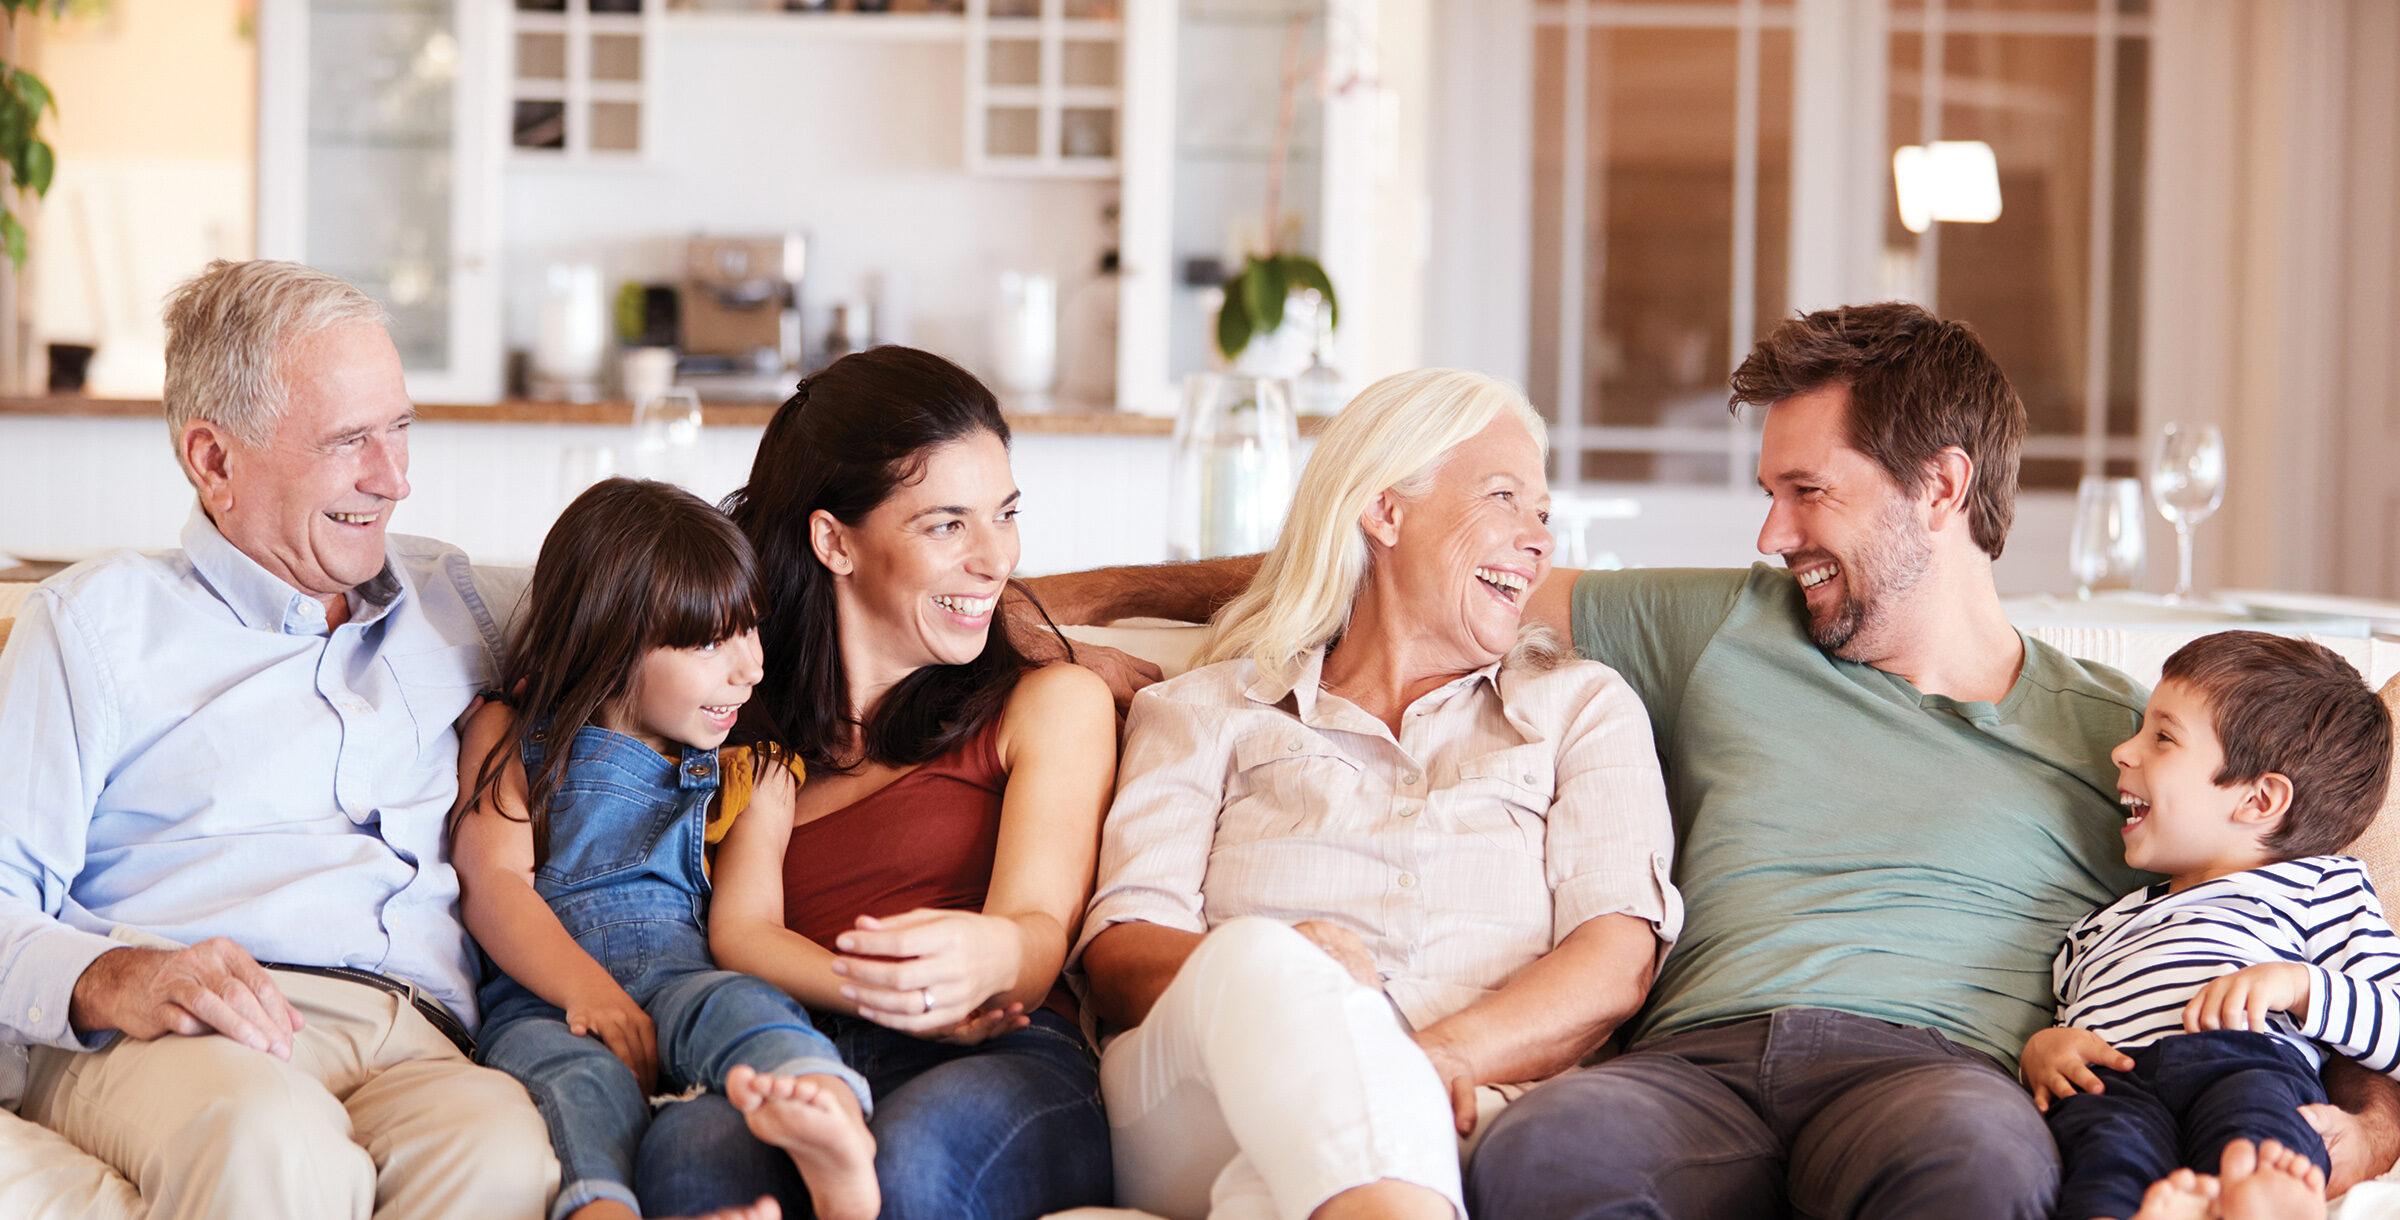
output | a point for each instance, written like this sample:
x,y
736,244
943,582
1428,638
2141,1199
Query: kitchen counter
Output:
x,y
79,475
1079,422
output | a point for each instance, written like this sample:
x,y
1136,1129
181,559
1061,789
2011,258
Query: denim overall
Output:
x,y
624,876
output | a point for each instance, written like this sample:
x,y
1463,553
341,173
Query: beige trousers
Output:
x,y
376,1114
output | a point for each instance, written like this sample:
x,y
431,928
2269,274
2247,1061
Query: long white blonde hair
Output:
x,y
1393,437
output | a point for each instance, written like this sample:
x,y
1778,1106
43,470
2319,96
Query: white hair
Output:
x,y
228,330
1393,437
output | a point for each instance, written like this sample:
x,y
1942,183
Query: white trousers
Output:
x,y
1266,1081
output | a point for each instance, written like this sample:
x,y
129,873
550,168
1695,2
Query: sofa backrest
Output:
x,y
2139,653
2379,848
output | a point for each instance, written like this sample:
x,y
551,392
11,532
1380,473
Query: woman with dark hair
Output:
x,y
921,897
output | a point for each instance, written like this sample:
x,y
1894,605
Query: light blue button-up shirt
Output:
x,y
187,751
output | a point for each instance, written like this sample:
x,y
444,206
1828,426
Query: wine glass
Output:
x,y
2187,483
666,438
2106,550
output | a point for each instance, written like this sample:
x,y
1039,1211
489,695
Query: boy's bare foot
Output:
x,y
2181,1195
817,1120
2269,1182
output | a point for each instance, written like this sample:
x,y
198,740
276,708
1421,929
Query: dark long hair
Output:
x,y
850,436
630,566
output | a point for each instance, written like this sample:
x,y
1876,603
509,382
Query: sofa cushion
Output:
x,y
2379,848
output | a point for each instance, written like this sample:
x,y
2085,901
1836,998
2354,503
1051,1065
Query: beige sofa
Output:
x,y
43,1177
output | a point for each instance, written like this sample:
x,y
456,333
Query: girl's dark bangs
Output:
x,y
711,596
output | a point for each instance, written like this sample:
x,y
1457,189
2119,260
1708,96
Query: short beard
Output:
x,y
1889,563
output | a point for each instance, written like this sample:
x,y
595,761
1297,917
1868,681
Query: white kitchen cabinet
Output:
x,y
580,76
1045,85
381,132
1203,90
385,126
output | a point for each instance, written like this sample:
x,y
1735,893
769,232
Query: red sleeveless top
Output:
x,y
927,839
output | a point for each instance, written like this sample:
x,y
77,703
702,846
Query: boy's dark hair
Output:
x,y
2298,709
1918,385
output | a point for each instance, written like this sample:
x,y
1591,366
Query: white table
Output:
x,y
2136,632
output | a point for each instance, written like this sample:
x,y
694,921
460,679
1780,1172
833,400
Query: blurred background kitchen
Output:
x,y
614,233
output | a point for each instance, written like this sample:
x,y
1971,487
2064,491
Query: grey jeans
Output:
x,y
1804,1112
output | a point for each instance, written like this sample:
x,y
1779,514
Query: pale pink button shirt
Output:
x,y
1516,803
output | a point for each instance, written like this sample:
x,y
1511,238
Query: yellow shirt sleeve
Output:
x,y
737,781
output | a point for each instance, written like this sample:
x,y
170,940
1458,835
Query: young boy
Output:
x,y
2190,1013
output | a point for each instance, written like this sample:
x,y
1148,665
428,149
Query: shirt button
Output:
x,y
1295,743
1410,779
1408,881
1408,811
1529,777
34,1014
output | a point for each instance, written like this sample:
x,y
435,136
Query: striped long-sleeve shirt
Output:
x,y
2128,969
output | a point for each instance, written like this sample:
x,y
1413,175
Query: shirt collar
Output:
x,y
1305,684
263,602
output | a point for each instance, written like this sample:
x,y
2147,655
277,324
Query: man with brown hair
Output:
x,y
1889,805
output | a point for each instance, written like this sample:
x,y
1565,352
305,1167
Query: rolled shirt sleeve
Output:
x,y
1610,847
55,723
1155,842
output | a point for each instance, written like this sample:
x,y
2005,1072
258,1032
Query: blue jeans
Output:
x,y
1008,1130
2187,1096
707,1021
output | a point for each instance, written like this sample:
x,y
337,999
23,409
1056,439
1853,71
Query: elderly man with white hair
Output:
x,y
228,923
1391,854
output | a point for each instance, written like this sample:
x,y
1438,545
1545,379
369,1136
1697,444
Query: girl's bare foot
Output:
x,y
2269,1182
763,1208
604,1209
816,1119
2181,1195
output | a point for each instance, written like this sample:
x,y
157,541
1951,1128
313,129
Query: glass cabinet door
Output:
x,y
379,163
1203,115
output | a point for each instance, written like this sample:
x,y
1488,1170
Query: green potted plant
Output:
x,y
30,159
1255,296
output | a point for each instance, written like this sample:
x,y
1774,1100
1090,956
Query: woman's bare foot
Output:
x,y
2269,1182
817,1120
2181,1195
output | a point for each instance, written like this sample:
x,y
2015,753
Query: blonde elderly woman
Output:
x,y
1385,856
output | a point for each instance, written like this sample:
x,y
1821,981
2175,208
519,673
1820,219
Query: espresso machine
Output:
x,y
740,316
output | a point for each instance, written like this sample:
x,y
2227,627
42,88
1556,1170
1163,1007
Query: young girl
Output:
x,y
579,852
